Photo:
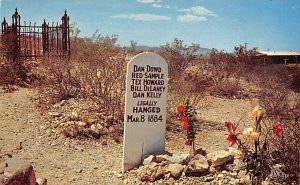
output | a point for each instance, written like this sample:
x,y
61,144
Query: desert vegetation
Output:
x,y
96,72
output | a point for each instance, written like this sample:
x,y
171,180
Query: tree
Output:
x,y
179,55
133,45
74,31
245,56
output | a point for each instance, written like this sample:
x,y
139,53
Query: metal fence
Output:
x,y
30,40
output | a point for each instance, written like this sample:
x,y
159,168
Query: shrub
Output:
x,y
178,56
255,158
227,87
184,79
8,73
276,144
95,70
286,151
285,107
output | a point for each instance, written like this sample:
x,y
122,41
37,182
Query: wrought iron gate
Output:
x,y
29,40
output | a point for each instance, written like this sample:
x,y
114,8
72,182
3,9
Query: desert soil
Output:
x,y
26,134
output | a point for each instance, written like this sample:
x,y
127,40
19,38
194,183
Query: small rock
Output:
x,y
120,175
148,174
208,179
233,174
198,164
224,172
54,114
219,158
41,181
175,169
79,170
80,124
183,174
152,164
160,158
220,176
183,159
62,103
18,172
159,172
148,160
73,116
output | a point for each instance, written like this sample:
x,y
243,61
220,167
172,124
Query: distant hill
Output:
x,y
199,52
148,48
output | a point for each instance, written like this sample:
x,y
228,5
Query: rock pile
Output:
x,y
218,167
77,118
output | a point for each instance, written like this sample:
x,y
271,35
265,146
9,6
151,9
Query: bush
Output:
x,y
285,108
294,75
178,56
95,71
185,76
285,152
227,87
8,73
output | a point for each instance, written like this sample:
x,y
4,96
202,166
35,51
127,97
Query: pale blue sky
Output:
x,y
221,24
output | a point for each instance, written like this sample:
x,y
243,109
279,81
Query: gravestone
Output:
x,y
145,108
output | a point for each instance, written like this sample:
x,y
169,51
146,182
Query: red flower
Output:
x,y
231,127
277,129
185,126
180,109
187,142
231,139
184,119
227,125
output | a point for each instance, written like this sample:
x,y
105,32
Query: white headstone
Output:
x,y
145,108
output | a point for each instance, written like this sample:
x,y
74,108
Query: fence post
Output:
x,y
65,33
45,37
16,18
4,26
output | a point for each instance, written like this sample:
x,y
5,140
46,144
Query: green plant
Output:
x,y
256,158
187,116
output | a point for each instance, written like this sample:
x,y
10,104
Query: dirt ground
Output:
x,y
25,134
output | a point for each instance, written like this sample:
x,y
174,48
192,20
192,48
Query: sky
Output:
x,y
220,24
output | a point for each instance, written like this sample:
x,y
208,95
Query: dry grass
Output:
x,y
93,71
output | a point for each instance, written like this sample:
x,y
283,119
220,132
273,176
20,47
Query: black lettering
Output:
x,y
153,69
146,110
